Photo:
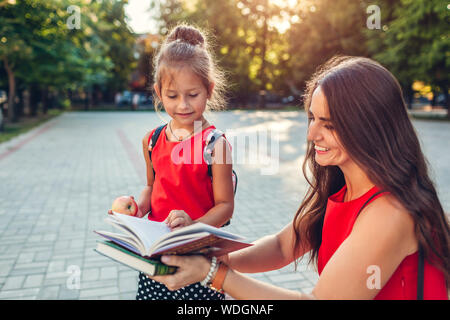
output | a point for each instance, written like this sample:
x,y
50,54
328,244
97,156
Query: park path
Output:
x,y
58,180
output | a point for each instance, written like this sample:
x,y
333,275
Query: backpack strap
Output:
x,y
152,141
211,140
420,274
368,200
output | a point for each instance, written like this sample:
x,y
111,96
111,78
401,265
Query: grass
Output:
x,y
25,124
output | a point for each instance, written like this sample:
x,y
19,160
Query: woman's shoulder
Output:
x,y
386,214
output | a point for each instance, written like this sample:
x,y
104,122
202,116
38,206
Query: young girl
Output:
x,y
179,189
371,220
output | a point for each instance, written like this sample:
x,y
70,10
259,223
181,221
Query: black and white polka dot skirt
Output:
x,y
149,289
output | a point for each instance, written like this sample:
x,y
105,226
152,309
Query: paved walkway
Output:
x,y
58,181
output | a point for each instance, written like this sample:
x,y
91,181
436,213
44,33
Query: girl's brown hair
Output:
x,y
368,113
187,46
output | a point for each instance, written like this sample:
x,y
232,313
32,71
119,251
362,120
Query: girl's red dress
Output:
x,y
181,177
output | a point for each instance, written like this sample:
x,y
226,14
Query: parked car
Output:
x,y
124,99
135,99
145,102
3,97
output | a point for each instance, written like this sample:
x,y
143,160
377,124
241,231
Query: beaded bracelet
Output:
x,y
212,271
219,278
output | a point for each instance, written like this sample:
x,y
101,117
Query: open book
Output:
x,y
152,239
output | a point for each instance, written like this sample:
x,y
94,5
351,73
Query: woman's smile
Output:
x,y
321,150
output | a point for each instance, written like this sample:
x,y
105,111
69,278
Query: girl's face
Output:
x,y
184,96
329,150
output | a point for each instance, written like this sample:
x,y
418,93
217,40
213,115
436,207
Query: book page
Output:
x,y
147,231
178,240
200,228
124,240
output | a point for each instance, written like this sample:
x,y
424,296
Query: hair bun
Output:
x,y
187,34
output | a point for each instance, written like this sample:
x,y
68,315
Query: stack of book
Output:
x,y
142,242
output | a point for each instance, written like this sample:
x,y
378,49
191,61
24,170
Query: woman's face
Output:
x,y
328,149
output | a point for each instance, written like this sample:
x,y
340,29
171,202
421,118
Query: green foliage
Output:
x,y
325,28
272,45
44,51
414,43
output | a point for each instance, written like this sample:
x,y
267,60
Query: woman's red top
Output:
x,y
338,223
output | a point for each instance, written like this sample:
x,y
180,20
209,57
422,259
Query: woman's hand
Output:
x,y
178,219
191,269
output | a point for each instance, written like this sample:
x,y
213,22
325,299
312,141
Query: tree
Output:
x,y
322,29
261,15
119,43
247,42
45,53
383,47
416,44
15,48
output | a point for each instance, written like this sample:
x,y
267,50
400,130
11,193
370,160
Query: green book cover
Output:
x,y
160,268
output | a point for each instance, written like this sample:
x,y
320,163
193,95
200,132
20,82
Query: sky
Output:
x,y
139,18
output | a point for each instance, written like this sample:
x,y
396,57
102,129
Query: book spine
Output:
x,y
163,269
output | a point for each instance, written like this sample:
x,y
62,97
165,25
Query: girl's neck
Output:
x,y
179,132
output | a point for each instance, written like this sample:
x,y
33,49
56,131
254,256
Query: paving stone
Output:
x,y
14,282
98,292
19,294
33,281
48,293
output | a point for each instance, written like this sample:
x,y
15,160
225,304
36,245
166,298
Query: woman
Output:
x,y
370,206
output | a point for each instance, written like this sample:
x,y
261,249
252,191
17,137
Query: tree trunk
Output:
x,y
447,99
45,100
26,102
35,96
1,119
409,95
12,91
262,92
433,101
19,104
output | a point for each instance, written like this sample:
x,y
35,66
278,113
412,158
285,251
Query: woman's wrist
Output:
x,y
219,277
211,273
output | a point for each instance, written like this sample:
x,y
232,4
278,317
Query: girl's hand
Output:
x,y
178,219
191,269
139,213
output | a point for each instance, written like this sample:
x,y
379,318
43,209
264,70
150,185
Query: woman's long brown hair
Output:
x,y
369,115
